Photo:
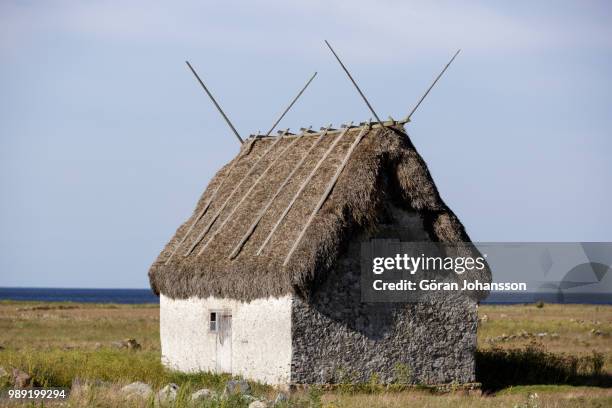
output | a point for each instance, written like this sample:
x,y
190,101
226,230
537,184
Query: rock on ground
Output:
x,y
202,394
139,389
130,344
168,393
280,398
118,344
237,387
21,379
258,404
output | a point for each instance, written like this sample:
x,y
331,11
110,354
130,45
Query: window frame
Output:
x,y
218,313
214,313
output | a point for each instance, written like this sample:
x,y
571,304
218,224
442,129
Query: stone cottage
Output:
x,y
263,280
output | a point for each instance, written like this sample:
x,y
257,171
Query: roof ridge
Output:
x,y
305,131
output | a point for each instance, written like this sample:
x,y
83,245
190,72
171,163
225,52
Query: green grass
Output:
x,y
60,342
58,368
500,368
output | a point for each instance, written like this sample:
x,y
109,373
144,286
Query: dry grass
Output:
x,y
52,326
574,329
60,341
524,398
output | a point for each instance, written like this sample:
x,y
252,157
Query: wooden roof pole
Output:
x,y
203,211
407,118
354,83
229,197
212,98
302,187
327,191
261,176
291,104
261,214
207,205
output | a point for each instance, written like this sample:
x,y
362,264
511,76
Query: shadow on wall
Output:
x,y
497,369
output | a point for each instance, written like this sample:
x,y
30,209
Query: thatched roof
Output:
x,y
238,244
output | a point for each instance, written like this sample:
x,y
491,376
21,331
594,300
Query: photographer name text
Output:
x,y
457,265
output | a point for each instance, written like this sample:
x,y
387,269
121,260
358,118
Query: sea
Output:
x,y
125,296
144,296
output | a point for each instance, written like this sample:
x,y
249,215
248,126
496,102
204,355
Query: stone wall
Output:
x,y
337,338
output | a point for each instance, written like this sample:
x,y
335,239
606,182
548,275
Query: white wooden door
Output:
x,y
224,343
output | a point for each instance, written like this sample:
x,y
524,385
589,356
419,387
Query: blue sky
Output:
x,y
106,140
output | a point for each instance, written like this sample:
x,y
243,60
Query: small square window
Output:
x,y
213,322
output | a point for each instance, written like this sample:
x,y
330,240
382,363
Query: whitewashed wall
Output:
x,y
261,336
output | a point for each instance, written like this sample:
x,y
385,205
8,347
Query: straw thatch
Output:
x,y
383,166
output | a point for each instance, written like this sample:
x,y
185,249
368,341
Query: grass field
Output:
x,y
529,356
